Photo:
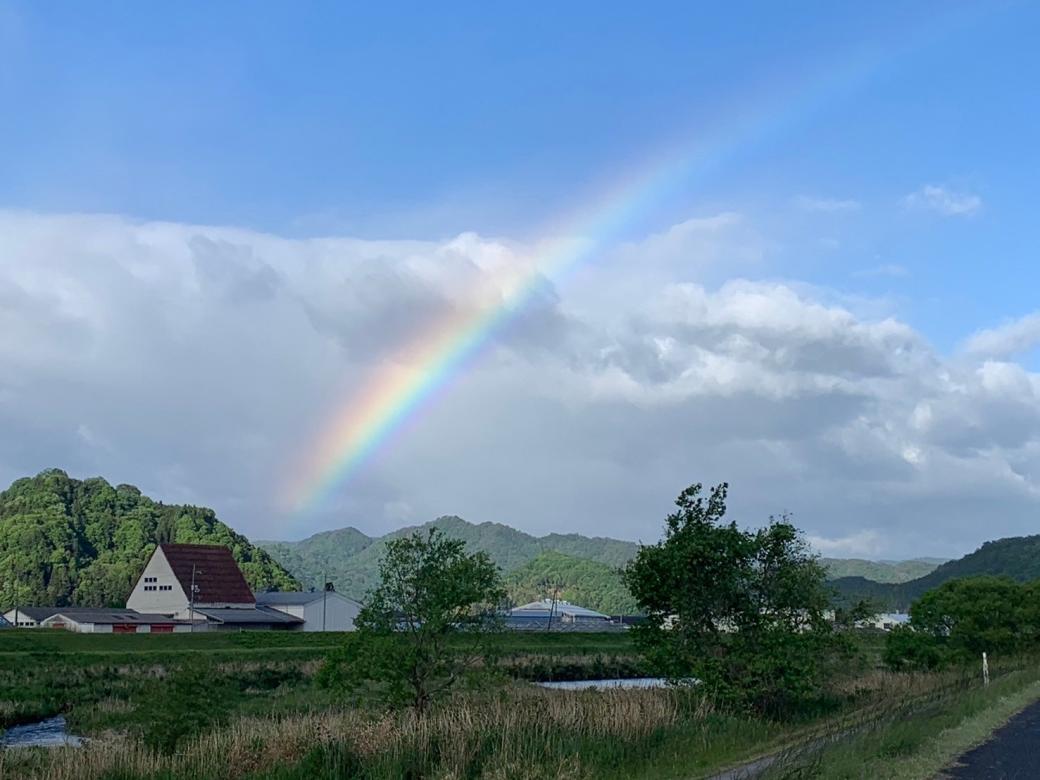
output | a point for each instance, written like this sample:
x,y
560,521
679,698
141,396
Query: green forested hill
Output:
x,y
1016,557
580,581
585,565
351,559
84,542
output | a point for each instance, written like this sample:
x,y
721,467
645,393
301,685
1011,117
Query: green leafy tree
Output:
x,y
963,618
425,626
740,611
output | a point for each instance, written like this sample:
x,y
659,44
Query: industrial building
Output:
x,y
548,614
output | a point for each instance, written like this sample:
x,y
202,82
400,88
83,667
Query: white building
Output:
x,y
174,570
112,621
28,617
885,621
319,610
222,598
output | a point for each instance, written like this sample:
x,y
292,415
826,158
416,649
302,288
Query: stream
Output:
x,y
52,732
579,685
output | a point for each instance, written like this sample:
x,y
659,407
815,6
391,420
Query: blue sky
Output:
x,y
434,119
890,170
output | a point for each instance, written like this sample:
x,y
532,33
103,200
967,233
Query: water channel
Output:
x,y
52,732
580,685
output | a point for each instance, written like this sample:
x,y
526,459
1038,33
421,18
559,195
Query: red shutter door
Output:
x,y
124,628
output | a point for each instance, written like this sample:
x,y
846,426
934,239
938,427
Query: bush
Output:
x,y
190,700
961,619
910,650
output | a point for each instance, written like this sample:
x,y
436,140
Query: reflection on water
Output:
x,y
578,685
47,733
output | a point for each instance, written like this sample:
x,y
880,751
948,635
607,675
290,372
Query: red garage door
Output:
x,y
124,628
162,628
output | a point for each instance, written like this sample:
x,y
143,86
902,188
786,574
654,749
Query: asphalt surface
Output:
x,y
1012,752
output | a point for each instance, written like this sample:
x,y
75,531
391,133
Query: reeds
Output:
x,y
539,730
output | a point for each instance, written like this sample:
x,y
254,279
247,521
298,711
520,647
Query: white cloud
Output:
x,y
941,200
863,544
200,363
826,205
1009,339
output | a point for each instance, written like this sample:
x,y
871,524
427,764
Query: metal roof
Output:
x,y
293,598
36,613
248,615
218,580
84,615
545,606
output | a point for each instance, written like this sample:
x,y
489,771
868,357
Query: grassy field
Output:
x,y
916,739
248,705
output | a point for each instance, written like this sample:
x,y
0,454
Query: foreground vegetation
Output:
x,y
205,711
429,686
918,738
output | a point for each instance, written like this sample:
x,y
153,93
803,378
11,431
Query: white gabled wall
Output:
x,y
23,619
160,602
340,613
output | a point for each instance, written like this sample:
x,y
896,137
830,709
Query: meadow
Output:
x,y
249,706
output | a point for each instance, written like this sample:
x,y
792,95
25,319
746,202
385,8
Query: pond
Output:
x,y
51,732
579,685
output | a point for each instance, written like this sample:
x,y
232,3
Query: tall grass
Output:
x,y
544,731
521,732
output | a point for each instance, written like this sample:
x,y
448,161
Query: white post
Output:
x,y
985,670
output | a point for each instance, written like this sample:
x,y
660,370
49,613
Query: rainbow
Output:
x,y
366,421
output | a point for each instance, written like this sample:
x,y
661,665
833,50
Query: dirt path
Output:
x,y
1013,752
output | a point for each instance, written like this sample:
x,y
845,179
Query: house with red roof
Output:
x,y
202,584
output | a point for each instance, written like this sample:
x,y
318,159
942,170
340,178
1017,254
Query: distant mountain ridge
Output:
x,y
1017,557
350,558
585,568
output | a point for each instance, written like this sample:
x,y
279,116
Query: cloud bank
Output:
x,y
199,363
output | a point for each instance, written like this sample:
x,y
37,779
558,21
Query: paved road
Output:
x,y
1012,753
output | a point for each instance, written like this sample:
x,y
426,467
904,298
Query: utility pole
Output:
x,y
191,601
552,606
324,596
